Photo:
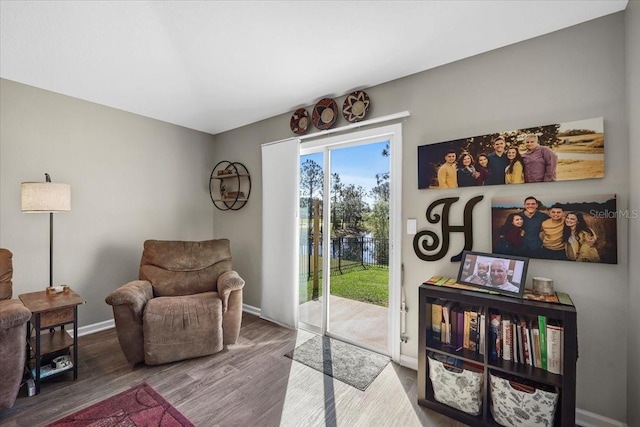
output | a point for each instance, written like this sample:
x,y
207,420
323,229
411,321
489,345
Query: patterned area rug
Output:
x,y
350,364
139,406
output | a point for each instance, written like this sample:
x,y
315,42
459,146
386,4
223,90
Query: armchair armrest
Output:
x,y
13,313
128,302
228,282
136,294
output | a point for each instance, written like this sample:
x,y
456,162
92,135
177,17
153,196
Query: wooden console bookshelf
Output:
x,y
565,383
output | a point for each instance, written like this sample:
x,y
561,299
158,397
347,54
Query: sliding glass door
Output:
x,y
346,283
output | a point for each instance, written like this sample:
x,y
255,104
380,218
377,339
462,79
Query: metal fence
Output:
x,y
347,253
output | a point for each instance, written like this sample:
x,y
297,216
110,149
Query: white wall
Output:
x,y
132,179
572,74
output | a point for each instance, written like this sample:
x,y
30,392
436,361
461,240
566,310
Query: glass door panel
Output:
x,y
310,285
358,236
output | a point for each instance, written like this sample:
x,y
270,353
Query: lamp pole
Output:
x,y
50,248
48,179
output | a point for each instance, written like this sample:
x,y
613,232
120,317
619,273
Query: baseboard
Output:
x,y
257,312
96,327
251,309
589,419
409,362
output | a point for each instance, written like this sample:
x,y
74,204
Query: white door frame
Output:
x,y
392,133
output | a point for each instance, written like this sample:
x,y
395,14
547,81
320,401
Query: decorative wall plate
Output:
x,y
325,113
355,106
299,121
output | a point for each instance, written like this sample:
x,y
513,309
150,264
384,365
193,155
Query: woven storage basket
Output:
x,y
513,407
460,390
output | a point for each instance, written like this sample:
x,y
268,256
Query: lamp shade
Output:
x,y
45,197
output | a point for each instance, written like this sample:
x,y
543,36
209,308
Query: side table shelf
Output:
x,y
229,185
53,342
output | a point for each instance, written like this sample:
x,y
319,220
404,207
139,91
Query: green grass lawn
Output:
x,y
370,286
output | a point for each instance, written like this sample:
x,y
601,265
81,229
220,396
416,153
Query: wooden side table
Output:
x,y
50,311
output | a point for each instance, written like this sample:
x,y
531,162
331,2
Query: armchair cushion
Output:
x,y
177,328
184,268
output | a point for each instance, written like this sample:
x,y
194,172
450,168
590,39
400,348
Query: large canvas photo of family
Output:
x,y
557,152
574,228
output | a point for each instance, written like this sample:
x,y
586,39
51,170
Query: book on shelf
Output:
x,y
495,333
432,280
535,336
460,327
555,298
449,361
452,283
454,364
445,329
529,295
564,298
474,329
517,339
466,328
454,325
526,342
436,319
439,280
542,326
482,333
554,348
507,338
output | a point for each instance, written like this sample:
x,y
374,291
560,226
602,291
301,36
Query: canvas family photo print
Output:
x,y
556,152
563,228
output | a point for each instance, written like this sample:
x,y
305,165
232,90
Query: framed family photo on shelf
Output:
x,y
505,274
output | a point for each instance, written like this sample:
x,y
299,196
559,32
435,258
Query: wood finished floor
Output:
x,y
250,383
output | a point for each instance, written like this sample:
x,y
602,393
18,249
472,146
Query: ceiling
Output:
x,y
218,65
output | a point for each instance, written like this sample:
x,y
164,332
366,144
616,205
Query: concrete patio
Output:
x,y
354,320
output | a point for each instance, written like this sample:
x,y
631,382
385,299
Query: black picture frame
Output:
x,y
515,272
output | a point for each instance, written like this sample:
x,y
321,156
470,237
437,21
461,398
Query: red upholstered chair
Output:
x,y
13,332
187,302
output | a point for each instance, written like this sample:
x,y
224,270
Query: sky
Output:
x,y
356,165
596,125
507,202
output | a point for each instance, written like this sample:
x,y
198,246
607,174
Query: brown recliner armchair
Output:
x,y
187,302
13,335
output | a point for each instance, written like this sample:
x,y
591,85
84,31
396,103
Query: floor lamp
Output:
x,y
46,197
